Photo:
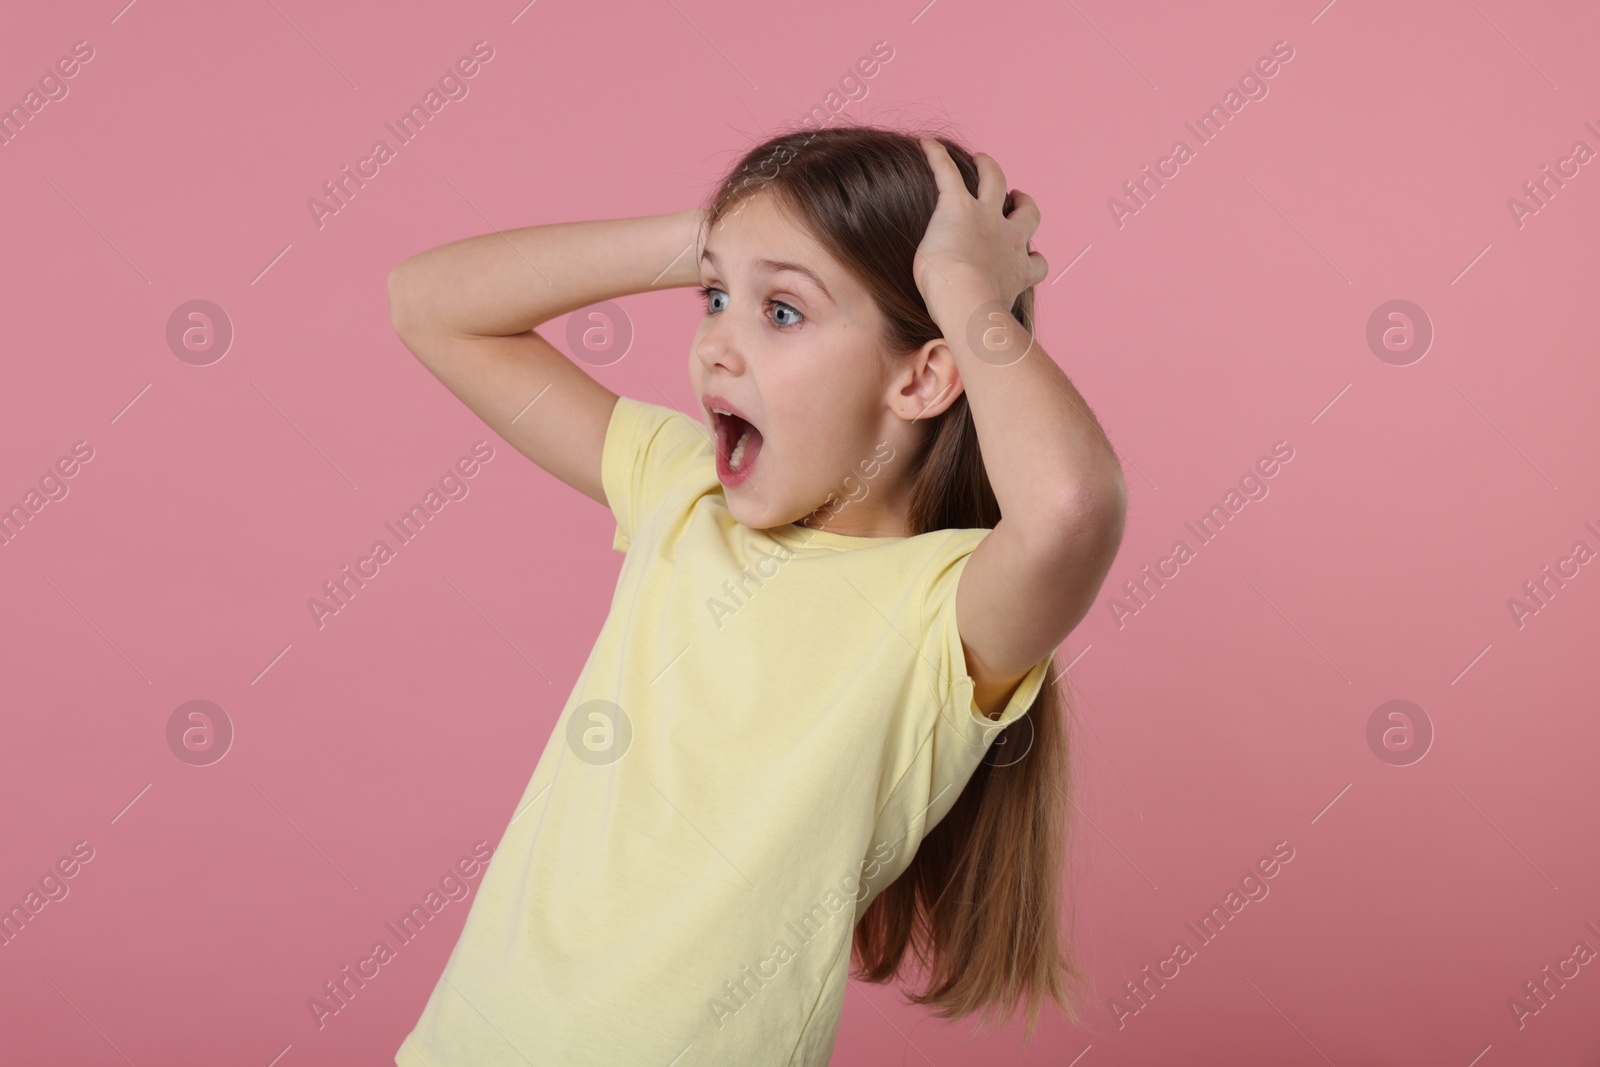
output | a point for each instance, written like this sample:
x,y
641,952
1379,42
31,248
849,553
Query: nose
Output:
x,y
717,347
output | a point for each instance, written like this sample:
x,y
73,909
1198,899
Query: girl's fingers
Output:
x,y
991,180
1020,200
945,172
1041,267
1024,212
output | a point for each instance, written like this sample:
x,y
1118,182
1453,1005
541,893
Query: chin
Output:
x,y
746,513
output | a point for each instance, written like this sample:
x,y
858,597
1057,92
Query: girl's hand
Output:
x,y
971,242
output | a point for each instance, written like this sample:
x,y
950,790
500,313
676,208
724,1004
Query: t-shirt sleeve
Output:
x,y
946,735
649,450
946,661
962,724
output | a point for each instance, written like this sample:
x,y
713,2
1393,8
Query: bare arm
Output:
x,y
1033,579
1055,475
467,310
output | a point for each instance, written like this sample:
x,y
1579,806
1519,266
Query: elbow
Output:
x,y
1103,504
1089,510
1103,508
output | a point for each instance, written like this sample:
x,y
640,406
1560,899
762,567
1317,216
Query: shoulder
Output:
x,y
651,454
639,424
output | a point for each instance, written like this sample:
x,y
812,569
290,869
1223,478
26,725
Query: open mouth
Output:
x,y
738,445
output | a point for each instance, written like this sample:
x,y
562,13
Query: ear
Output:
x,y
926,382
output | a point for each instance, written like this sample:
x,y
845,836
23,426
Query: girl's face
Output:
x,y
793,343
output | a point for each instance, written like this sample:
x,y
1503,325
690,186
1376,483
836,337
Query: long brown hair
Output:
x,y
979,907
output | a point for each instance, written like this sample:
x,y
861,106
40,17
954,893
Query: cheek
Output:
x,y
824,388
807,414
817,402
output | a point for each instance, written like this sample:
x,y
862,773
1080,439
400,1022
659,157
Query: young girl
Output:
x,y
818,725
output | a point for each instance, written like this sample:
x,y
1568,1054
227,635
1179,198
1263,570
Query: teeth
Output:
x,y
736,457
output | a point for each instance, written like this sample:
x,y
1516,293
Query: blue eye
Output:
x,y
708,293
705,295
778,305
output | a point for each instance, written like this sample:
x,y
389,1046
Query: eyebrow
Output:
x,y
779,265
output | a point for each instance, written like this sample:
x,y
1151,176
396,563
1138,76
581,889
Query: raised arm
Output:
x,y
1054,473
467,310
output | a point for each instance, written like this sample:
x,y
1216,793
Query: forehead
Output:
x,y
756,234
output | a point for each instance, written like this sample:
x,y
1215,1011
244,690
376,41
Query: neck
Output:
x,y
863,526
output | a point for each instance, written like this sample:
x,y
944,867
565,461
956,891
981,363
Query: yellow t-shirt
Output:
x,y
769,724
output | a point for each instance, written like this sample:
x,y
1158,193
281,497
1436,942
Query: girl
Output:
x,y
818,725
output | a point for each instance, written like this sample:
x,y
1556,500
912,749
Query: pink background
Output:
x,y
1228,314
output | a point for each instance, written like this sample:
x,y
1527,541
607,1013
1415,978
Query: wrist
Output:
x,y
952,299
685,268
